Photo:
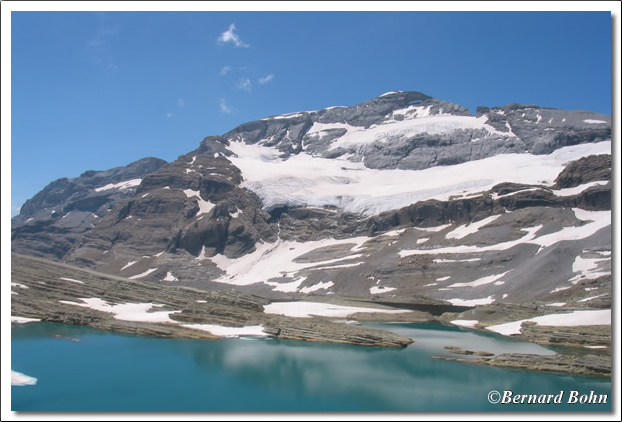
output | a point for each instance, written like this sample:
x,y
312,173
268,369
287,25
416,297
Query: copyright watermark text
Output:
x,y
570,397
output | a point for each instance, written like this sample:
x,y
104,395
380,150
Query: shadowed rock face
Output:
x,y
584,170
195,222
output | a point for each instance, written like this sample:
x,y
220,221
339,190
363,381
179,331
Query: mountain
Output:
x,y
54,220
402,198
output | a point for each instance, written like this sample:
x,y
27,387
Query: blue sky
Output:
x,y
96,90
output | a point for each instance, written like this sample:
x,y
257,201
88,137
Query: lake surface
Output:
x,y
106,371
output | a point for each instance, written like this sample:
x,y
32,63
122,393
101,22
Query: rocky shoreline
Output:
x,y
589,364
54,292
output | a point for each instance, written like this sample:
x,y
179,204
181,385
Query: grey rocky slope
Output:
x,y
55,219
209,220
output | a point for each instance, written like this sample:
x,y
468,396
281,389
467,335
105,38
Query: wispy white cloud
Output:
x,y
99,47
180,103
244,84
224,108
266,79
230,37
168,115
225,70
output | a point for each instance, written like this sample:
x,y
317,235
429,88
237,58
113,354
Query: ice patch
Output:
x,y
305,180
19,379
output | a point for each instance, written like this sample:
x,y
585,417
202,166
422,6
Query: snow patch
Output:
x,y
276,260
129,264
452,261
308,309
469,323
578,189
593,297
72,280
146,273
318,286
472,302
221,331
290,287
434,229
576,318
592,121
19,379
137,312
374,290
595,220
204,206
481,281
23,320
390,92
121,185
587,269
170,277
465,230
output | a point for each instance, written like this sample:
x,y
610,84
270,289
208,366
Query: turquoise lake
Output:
x,y
106,371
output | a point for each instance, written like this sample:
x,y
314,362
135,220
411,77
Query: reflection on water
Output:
x,y
107,372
